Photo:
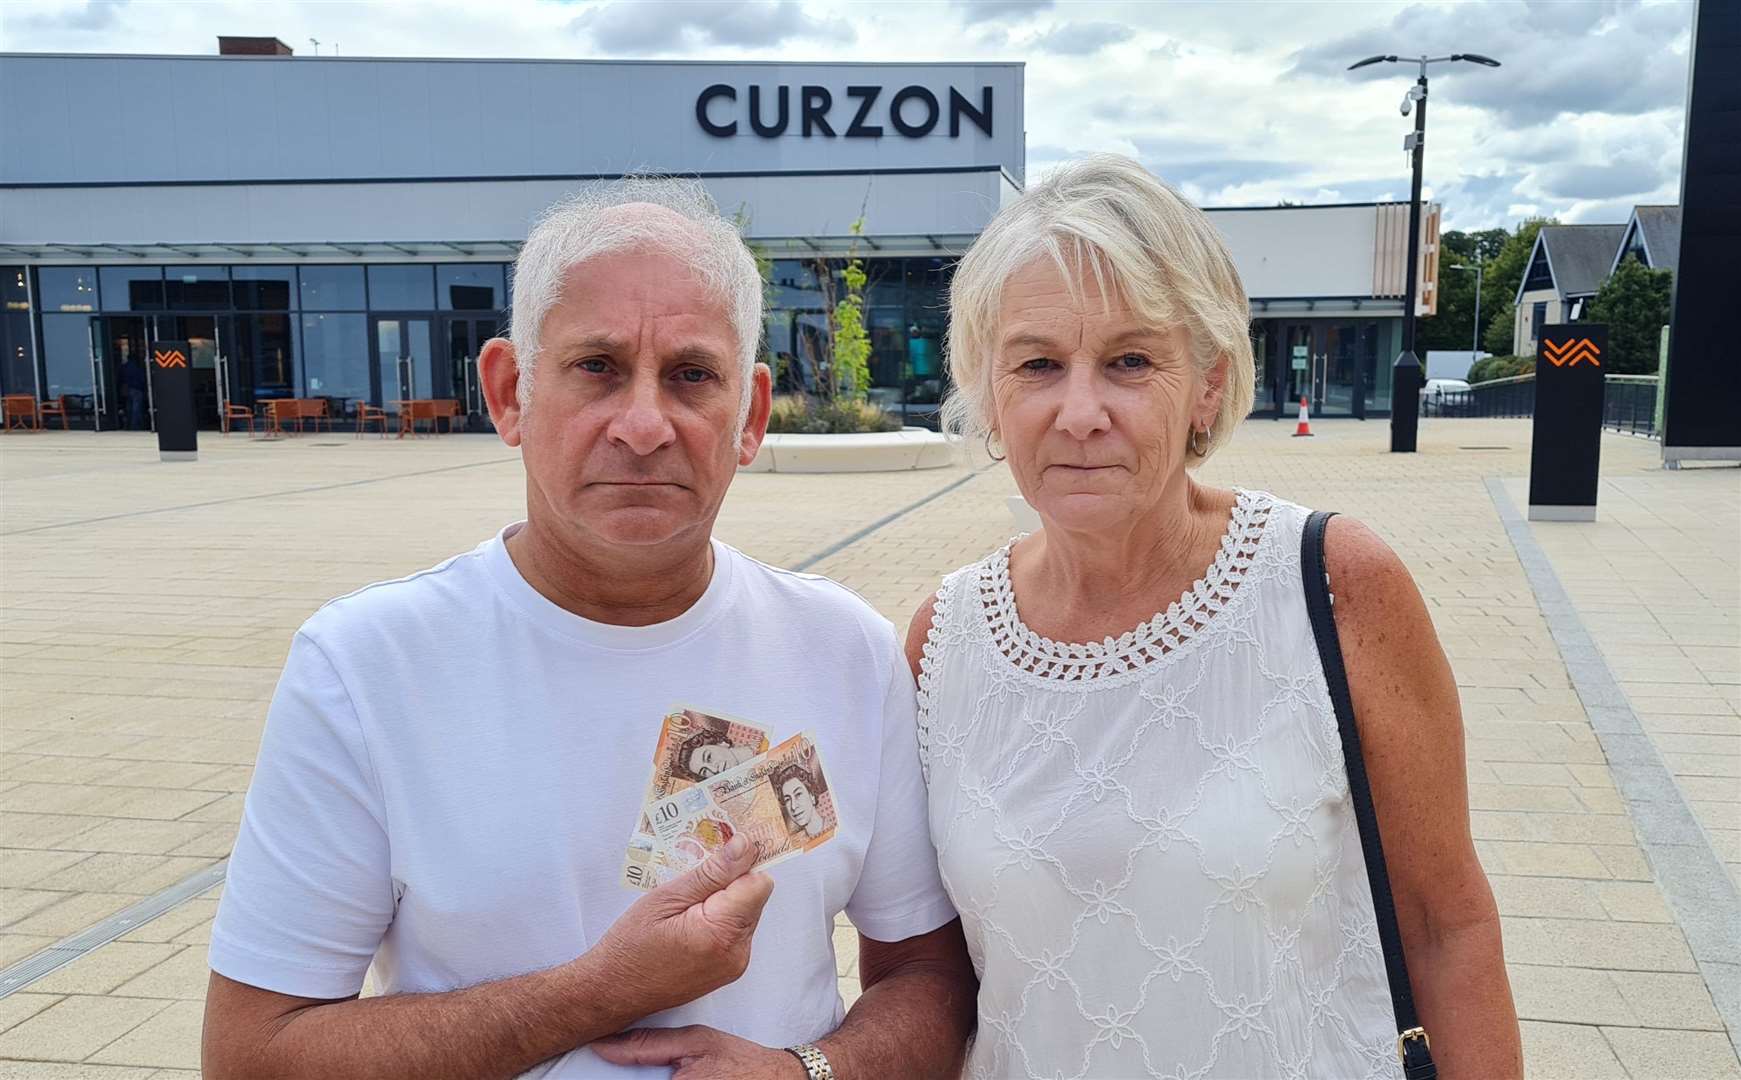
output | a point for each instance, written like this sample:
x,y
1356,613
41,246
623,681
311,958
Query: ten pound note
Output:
x,y
693,746
780,800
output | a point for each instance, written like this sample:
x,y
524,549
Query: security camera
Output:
x,y
1408,102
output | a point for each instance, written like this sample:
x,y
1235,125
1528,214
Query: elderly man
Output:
x,y
453,761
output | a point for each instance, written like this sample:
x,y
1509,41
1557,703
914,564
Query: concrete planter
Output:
x,y
882,451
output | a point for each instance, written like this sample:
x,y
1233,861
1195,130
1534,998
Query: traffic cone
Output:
x,y
1305,425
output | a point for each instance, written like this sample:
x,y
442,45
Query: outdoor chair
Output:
x,y
53,407
238,414
370,414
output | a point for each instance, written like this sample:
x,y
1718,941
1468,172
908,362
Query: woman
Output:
x,y
1137,791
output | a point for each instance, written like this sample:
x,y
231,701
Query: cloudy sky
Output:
x,y
1236,103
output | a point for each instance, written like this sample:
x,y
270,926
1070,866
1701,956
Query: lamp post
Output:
x,y
1475,337
1406,375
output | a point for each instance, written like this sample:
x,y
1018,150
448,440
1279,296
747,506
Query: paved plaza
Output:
x,y
145,609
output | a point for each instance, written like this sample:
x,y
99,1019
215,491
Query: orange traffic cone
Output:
x,y
1305,426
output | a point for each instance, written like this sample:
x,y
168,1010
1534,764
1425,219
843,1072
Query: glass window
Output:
x,y
265,357
333,288
17,359
14,289
66,288
132,288
469,287
66,355
401,288
197,288
265,288
335,356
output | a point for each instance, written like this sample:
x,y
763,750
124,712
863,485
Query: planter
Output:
x,y
882,451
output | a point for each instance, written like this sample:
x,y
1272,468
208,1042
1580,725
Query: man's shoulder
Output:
x,y
395,605
812,600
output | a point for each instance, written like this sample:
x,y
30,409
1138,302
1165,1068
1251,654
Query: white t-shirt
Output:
x,y
452,765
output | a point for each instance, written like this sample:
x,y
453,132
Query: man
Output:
x,y
430,794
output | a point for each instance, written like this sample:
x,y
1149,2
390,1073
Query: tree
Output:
x,y
1504,274
1501,333
1502,257
852,346
1634,303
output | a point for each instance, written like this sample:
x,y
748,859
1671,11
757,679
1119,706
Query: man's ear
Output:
x,y
756,423
499,369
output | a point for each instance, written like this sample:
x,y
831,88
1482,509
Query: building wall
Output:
x,y
1524,335
181,118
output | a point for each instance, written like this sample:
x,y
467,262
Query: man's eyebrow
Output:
x,y
599,342
696,354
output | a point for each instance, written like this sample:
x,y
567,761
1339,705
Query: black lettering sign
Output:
x,y
858,129
718,131
815,101
981,116
769,131
914,93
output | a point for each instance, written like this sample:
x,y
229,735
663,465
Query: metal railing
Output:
x,y
1628,401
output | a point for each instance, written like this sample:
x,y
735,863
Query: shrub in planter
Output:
x,y
800,414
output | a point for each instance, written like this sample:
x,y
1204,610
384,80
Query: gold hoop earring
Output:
x,y
988,451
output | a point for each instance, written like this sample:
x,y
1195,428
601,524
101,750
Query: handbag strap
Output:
x,y
1411,1042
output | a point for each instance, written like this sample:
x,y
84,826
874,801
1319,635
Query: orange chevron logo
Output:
x,y
172,358
1571,353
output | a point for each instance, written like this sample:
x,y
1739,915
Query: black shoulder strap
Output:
x,y
1412,1047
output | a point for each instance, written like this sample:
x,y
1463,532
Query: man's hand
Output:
x,y
689,937
699,1053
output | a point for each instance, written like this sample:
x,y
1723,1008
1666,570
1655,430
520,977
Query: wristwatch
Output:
x,y
814,1060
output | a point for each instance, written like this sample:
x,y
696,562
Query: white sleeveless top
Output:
x,y
1150,839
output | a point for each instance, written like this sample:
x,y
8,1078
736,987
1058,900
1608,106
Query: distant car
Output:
x,y
1436,389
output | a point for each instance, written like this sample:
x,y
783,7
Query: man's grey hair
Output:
x,y
592,223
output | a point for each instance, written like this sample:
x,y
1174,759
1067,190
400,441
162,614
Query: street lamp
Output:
x,y
1406,374
1474,338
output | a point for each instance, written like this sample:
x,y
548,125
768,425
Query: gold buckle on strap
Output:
x,y
1410,1034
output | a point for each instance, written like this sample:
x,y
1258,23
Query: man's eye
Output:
x,y
695,375
594,365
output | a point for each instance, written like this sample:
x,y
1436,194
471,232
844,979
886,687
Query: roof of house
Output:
x,y
1661,228
1581,255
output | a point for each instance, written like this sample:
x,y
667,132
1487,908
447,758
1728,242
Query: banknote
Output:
x,y
693,745
781,800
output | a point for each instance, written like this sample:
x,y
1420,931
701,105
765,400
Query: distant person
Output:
x,y
1138,790
454,761
133,393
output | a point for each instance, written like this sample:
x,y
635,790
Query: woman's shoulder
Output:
x,y
941,604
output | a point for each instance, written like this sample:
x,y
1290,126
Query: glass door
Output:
x,y
201,334
402,359
465,337
121,374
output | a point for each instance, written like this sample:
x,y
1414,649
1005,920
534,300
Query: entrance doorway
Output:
x,y
403,366
1331,362
465,337
204,348
120,373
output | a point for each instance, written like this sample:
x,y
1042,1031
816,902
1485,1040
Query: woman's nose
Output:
x,y
1082,412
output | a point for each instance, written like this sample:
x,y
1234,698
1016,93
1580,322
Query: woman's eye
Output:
x,y
1036,365
1132,361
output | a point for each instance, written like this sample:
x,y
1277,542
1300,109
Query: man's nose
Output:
x,y
640,424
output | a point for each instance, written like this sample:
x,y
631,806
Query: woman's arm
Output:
x,y
1411,732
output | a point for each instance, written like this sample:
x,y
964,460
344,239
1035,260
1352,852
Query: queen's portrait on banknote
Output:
x,y
799,791
707,753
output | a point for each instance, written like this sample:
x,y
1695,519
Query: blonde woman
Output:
x,y
1139,792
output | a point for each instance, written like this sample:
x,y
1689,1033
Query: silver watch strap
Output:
x,y
815,1062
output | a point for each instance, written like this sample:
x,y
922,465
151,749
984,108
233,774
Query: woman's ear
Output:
x,y
1214,386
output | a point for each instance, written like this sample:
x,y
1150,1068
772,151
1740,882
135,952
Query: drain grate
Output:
x,y
1484,448
65,951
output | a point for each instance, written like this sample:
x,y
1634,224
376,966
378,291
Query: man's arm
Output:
x,y
677,943
912,1021
1411,731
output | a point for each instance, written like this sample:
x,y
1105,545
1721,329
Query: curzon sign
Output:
x,y
867,112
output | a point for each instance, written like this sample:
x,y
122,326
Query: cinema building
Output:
x,y
344,227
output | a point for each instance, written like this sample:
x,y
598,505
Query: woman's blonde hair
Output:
x,y
1106,215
